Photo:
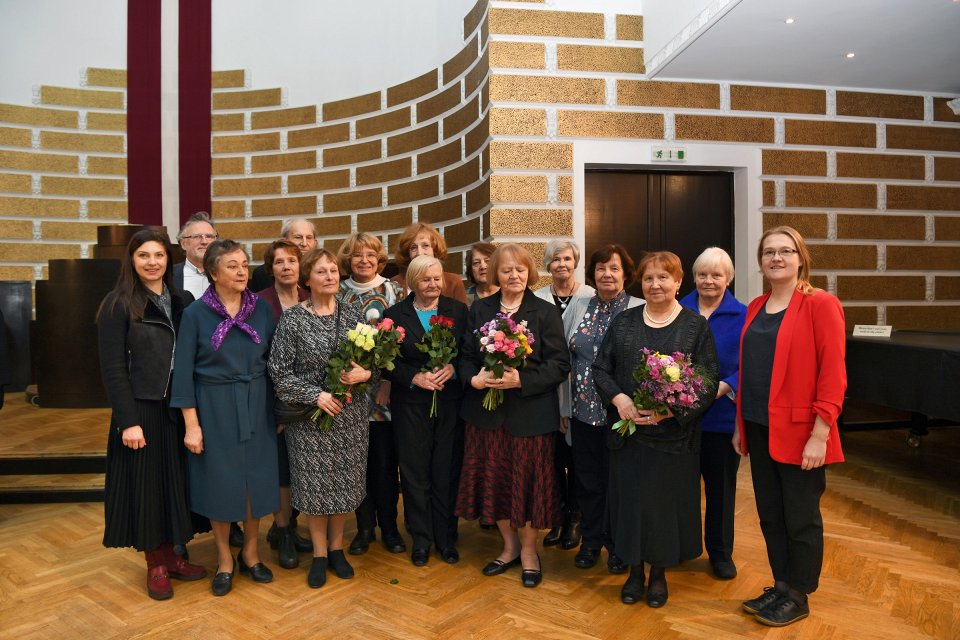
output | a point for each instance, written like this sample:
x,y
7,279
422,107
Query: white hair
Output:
x,y
714,257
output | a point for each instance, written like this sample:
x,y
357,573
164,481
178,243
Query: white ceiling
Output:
x,y
900,45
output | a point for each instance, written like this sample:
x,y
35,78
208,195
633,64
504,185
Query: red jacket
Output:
x,y
809,375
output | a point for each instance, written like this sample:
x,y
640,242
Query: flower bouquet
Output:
x,y
441,345
503,343
665,382
371,347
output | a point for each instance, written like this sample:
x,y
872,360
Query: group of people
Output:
x,y
204,366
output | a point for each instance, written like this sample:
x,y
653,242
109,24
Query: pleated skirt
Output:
x,y
508,477
145,501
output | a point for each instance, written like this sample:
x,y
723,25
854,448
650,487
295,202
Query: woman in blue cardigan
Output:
x,y
713,272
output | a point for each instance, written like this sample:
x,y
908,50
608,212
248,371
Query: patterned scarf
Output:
x,y
247,305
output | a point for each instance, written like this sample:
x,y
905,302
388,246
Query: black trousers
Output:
x,y
566,473
788,502
719,464
592,460
379,507
430,451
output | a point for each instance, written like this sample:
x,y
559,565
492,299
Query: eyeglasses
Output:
x,y
209,237
784,252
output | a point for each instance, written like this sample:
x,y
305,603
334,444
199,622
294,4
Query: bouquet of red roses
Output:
x,y
371,347
441,345
503,343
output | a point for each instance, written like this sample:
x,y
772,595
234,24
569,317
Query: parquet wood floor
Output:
x,y
892,570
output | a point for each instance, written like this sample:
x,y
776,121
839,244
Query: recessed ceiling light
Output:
x,y
851,54
791,20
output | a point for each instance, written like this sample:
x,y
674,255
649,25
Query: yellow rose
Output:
x,y
672,373
359,341
368,343
352,335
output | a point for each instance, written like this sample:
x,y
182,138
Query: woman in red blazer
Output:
x,y
792,381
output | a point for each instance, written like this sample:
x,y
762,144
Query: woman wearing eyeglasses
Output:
x,y
792,381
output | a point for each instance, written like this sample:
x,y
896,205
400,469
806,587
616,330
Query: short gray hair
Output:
x,y
417,269
199,216
288,224
557,245
714,257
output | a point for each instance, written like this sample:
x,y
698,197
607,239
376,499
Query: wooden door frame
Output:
x,y
744,162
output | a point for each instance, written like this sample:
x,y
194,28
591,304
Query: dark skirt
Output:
x,y
654,500
507,477
145,502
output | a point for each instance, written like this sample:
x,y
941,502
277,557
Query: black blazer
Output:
x,y
178,276
412,360
534,408
260,279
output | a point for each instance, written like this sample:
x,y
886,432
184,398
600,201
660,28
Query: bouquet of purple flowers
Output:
x,y
503,343
665,382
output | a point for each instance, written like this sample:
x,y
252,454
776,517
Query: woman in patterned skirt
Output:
x,y
326,468
508,475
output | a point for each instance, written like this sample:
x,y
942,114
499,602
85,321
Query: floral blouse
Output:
x,y
584,344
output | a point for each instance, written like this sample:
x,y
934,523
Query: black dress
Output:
x,y
654,492
145,497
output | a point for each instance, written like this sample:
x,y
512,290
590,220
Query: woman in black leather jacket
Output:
x,y
145,503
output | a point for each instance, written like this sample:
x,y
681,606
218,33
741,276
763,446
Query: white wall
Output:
x,y
665,19
51,41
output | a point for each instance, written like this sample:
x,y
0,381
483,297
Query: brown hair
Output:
x,y
311,258
360,239
215,252
271,253
519,254
803,274
483,248
129,289
405,241
605,254
666,259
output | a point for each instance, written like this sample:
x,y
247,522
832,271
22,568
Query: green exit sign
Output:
x,y
668,154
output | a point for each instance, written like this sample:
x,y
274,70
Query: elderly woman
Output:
x,y
611,269
421,239
508,474
792,381
282,257
654,497
430,448
220,384
363,257
561,258
478,260
145,502
327,468
712,274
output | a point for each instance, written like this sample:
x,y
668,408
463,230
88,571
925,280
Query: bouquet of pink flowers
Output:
x,y
665,382
441,345
371,347
503,343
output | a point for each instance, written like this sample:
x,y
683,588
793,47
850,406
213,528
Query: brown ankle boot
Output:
x,y
178,567
158,582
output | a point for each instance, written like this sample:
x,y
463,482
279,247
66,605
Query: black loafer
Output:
x,y
258,572
764,600
632,590
531,577
657,595
236,535
724,569
222,582
552,538
497,567
338,562
570,537
361,542
450,555
586,558
287,556
784,611
616,565
420,557
393,542
317,576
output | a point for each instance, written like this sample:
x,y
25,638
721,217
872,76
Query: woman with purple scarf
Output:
x,y
220,383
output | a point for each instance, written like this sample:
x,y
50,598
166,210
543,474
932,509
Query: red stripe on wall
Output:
x,y
195,103
144,165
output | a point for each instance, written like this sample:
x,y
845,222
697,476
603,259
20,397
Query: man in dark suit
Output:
x,y
195,236
300,232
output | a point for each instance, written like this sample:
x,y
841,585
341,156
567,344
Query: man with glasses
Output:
x,y
196,235
300,232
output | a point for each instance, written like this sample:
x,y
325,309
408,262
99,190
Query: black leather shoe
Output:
x,y
632,591
570,537
531,577
223,582
361,542
450,555
317,576
724,569
784,611
258,572
236,535
272,536
657,594
286,551
338,562
586,558
301,544
497,567
552,538
420,557
616,565
393,542
764,600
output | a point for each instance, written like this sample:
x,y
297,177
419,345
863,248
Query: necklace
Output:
x,y
653,322
432,307
563,301
316,311
510,309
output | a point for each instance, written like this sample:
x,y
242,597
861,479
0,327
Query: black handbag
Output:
x,y
287,412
